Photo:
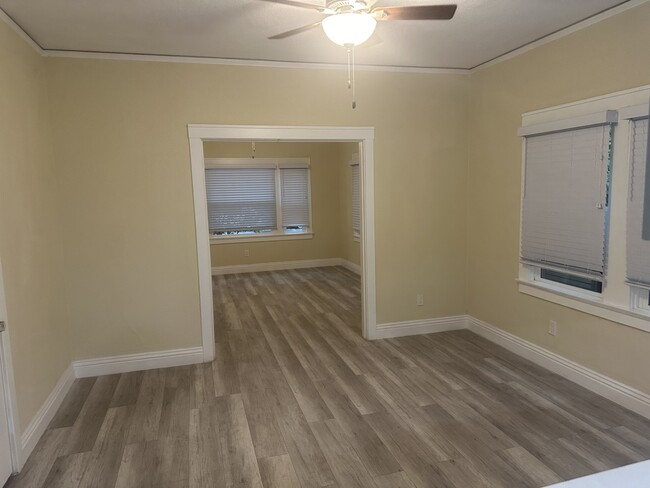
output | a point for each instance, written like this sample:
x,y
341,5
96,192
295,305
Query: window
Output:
x,y
258,198
356,200
573,280
241,200
295,199
638,217
584,180
638,247
565,205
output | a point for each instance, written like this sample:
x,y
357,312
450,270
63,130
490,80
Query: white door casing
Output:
x,y
198,133
9,461
5,445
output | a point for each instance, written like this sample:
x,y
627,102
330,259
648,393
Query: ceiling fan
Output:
x,y
352,22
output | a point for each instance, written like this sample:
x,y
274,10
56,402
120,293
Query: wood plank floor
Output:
x,y
295,398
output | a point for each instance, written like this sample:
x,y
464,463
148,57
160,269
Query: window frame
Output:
x,y
535,277
279,233
618,301
634,115
542,270
640,300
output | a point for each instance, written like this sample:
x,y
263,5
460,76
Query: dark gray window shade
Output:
x,y
356,201
241,199
564,214
295,197
638,249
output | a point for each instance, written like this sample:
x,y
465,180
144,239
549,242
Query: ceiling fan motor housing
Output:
x,y
347,5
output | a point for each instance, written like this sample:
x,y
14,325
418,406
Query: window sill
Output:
x,y
578,301
356,238
215,240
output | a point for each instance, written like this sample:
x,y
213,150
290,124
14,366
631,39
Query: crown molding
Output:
x,y
53,53
21,32
566,31
255,63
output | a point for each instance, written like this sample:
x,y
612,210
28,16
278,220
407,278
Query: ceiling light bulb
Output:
x,y
349,28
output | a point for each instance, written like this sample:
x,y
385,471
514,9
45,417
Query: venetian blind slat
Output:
x,y
356,201
241,199
564,204
295,197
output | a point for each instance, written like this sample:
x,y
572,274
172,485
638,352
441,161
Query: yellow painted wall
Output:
x,y
325,197
123,158
610,56
117,202
350,246
30,244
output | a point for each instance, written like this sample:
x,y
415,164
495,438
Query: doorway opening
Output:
x,y
200,135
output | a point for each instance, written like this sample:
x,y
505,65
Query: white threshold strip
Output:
x,y
635,475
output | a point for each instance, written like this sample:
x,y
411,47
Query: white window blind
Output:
x,y
564,215
295,197
356,201
241,199
638,249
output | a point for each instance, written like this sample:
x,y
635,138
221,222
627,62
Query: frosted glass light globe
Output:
x,y
349,28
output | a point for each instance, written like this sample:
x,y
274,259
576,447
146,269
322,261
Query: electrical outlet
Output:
x,y
247,252
552,327
419,300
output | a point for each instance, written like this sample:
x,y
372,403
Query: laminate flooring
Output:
x,y
296,398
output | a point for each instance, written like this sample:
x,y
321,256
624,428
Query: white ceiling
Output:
x,y
238,29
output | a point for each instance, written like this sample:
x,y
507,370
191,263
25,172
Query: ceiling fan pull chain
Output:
x,y
354,96
349,65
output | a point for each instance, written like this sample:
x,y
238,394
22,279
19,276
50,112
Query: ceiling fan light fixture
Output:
x,y
349,28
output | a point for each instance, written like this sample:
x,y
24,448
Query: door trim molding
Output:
x,y
7,372
198,133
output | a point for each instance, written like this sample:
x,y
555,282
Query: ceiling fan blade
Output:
x,y
294,3
415,12
293,32
369,4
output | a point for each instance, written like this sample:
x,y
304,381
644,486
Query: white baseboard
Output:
x,y
98,367
279,265
609,388
36,427
613,390
137,362
349,265
417,327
